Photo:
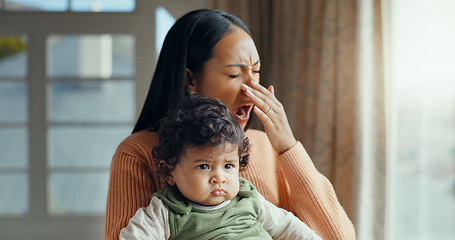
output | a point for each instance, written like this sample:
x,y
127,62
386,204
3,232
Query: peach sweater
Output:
x,y
289,180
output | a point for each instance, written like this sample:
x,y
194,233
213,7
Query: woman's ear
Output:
x,y
189,81
166,170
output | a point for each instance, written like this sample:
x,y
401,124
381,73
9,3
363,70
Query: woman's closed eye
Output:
x,y
234,75
237,75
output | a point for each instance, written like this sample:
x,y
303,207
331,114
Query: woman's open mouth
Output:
x,y
242,114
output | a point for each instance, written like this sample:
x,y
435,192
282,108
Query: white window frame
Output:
x,y
38,26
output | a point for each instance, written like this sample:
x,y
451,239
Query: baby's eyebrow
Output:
x,y
232,160
202,160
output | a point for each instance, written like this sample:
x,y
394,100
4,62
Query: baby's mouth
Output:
x,y
218,192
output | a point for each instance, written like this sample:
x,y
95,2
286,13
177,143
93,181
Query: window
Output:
x,y
92,109
13,126
70,91
164,22
70,5
423,124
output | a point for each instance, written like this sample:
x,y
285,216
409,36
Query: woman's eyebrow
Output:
x,y
242,64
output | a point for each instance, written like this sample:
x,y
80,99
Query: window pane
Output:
x,y
423,127
93,101
13,102
13,147
90,56
103,6
164,21
14,194
78,193
94,146
13,56
35,5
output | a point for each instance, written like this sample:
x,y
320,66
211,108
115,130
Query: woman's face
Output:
x,y
235,61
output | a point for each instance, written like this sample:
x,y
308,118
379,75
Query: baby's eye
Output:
x,y
228,166
203,166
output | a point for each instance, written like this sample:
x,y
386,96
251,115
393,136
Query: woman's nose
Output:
x,y
250,77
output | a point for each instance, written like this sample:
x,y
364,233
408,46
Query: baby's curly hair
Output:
x,y
198,121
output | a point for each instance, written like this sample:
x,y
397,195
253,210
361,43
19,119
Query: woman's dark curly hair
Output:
x,y
198,121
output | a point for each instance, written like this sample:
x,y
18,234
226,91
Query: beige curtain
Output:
x,y
324,58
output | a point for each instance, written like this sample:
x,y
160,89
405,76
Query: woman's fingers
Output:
x,y
271,89
265,119
272,115
268,92
263,110
260,100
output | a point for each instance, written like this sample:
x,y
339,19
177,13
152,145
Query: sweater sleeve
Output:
x,y
132,182
281,224
148,223
311,196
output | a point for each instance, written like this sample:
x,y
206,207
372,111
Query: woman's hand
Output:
x,y
272,115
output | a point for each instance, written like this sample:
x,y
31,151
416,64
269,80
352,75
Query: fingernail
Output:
x,y
254,83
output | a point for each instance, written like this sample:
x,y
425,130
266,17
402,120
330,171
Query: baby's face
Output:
x,y
207,175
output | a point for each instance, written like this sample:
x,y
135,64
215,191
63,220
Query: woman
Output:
x,y
211,53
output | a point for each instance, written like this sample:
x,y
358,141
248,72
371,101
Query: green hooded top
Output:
x,y
236,220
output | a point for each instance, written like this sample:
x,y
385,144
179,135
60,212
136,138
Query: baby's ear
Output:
x,y
166,170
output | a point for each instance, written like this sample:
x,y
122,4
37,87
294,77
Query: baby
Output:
x,y
202,150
